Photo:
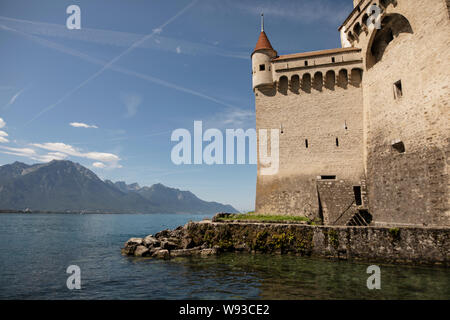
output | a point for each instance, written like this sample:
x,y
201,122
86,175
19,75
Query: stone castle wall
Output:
x,y
321,136
410,186
397,121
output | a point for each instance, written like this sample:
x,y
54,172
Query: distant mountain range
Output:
x,y
65,186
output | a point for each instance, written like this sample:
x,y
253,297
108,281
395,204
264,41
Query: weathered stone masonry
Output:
x,y
390,245
368,121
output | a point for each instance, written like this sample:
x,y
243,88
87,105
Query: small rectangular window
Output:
x,y
333,59
306,143
399,146
262,67
357,192
398,90
328,177
337,142
306,63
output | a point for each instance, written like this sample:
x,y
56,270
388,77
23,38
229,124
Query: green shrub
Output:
x,y
333,238
395,233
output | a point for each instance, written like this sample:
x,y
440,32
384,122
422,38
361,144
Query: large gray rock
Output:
x,y
134,241
169,245
151,241
141,251
162,254
131,245
185,252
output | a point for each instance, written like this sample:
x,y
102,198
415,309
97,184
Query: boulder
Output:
x,y
184,252
134,241
141,251
169,245
162,234
128,250
162,254
131,245
151,241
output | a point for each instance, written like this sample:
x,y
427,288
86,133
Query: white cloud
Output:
x,y
99,165
157,30
82,125
3,134
31,154
51,156
57,151
62,149
22,152
178,49
132,103
72,151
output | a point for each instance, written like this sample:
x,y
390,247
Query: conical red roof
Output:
x,y
263,42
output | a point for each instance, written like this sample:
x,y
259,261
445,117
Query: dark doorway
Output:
x,y
357,192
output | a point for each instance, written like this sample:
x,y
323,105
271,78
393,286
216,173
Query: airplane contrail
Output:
x,y
83,56
118,38
112,61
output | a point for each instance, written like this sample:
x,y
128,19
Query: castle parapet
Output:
x,y
319,70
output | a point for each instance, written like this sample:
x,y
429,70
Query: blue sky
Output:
x,y
105,98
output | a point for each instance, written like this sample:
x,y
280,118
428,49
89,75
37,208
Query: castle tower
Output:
x,y
262,60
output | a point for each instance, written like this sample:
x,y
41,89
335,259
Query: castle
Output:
x,y
364,130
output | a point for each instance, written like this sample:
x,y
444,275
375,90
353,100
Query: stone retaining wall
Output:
x,y
374,244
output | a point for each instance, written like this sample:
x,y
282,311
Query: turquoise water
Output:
x,y
35,251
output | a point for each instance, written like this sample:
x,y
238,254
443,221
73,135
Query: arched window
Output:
x,y
330,80
318,81
306,83
356,77
365,20
283,85
350,36
343,79
391,27
295,83
385,3
357,29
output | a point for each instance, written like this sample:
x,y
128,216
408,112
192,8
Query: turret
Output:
x,y
262,60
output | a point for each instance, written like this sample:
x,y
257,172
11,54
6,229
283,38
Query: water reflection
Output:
x,y
291,277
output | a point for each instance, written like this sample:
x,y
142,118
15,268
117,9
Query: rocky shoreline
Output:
x,y
167,244
429,246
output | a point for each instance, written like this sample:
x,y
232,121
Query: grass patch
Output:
x,y
263,218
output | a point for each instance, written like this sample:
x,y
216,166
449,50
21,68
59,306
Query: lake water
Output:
x,y
36,249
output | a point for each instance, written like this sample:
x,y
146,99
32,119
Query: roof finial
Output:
x,y
262,22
